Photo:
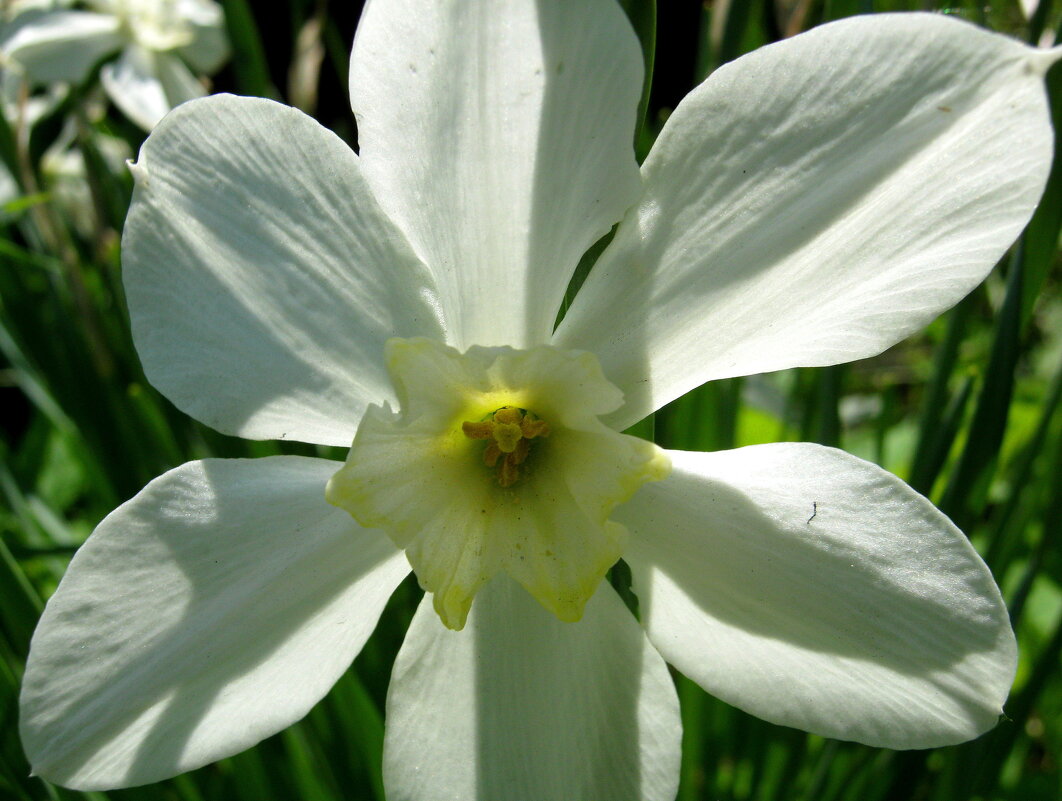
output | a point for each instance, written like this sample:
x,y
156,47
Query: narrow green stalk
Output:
x,y
248,54
939,440
967,490
1020,478
694,783
936,395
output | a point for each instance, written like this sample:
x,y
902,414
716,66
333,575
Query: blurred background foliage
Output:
x,y
966,411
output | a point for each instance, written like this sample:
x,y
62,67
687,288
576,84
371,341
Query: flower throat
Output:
x,y
510,431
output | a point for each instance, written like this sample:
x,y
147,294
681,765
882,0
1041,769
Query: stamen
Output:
x,y
508,473
510,431
508,415
532,428
523,447
482,430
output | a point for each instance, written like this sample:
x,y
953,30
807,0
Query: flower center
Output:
x,y
510,431
539,512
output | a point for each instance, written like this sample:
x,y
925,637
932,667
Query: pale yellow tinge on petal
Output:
x,y
537,506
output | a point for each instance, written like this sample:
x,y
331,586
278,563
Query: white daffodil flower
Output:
x,y
810,203
13,17
155,43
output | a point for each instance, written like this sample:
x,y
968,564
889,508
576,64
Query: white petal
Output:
x,y
262,277
212,610
522,707
12,20
499,137
132,82
817,200
816,590
210,45
64,45
178,81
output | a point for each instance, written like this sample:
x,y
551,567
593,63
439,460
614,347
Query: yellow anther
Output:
x,y
523,447
510,431
532,428
491,454
508,473
481,430
508,415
